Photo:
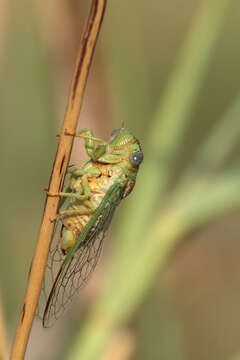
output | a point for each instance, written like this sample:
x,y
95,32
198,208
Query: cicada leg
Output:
x,y
80,172
93,151
71,212
84,196
75,212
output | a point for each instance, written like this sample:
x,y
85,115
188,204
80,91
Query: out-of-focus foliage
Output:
x,y
170,70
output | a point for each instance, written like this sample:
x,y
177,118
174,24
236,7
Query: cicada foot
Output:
x,y
69,133
52,194
49,193
54,218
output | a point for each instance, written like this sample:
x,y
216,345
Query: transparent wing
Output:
x,y
55,256
77,266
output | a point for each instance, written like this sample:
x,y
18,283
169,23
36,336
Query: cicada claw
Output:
x,y
53,219
49,193
69,133
78,134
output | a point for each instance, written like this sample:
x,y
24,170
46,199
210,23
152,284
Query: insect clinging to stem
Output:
x,y
88,201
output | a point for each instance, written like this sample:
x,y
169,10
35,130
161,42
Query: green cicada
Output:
x,y
88,201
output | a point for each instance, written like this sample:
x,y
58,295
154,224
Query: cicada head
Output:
x,y
126,146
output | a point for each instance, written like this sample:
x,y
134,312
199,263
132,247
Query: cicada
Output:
x,y
88,201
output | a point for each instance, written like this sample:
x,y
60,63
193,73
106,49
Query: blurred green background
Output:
x,y
168,283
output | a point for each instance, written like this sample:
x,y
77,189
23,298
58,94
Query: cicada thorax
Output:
x,y
99,185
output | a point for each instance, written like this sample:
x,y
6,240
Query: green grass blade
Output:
x,y
218,145
169,124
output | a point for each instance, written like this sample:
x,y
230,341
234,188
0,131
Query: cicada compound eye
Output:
x,y
136,158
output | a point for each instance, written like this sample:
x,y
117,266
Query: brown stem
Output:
x,y
3,335
57,178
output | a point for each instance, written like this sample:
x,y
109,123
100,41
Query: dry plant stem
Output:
x,y
3,335
59,170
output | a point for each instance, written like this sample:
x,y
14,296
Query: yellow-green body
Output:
x,y
88,202
110,163
98,184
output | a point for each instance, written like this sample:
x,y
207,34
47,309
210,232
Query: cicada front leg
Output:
x,y
94,151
